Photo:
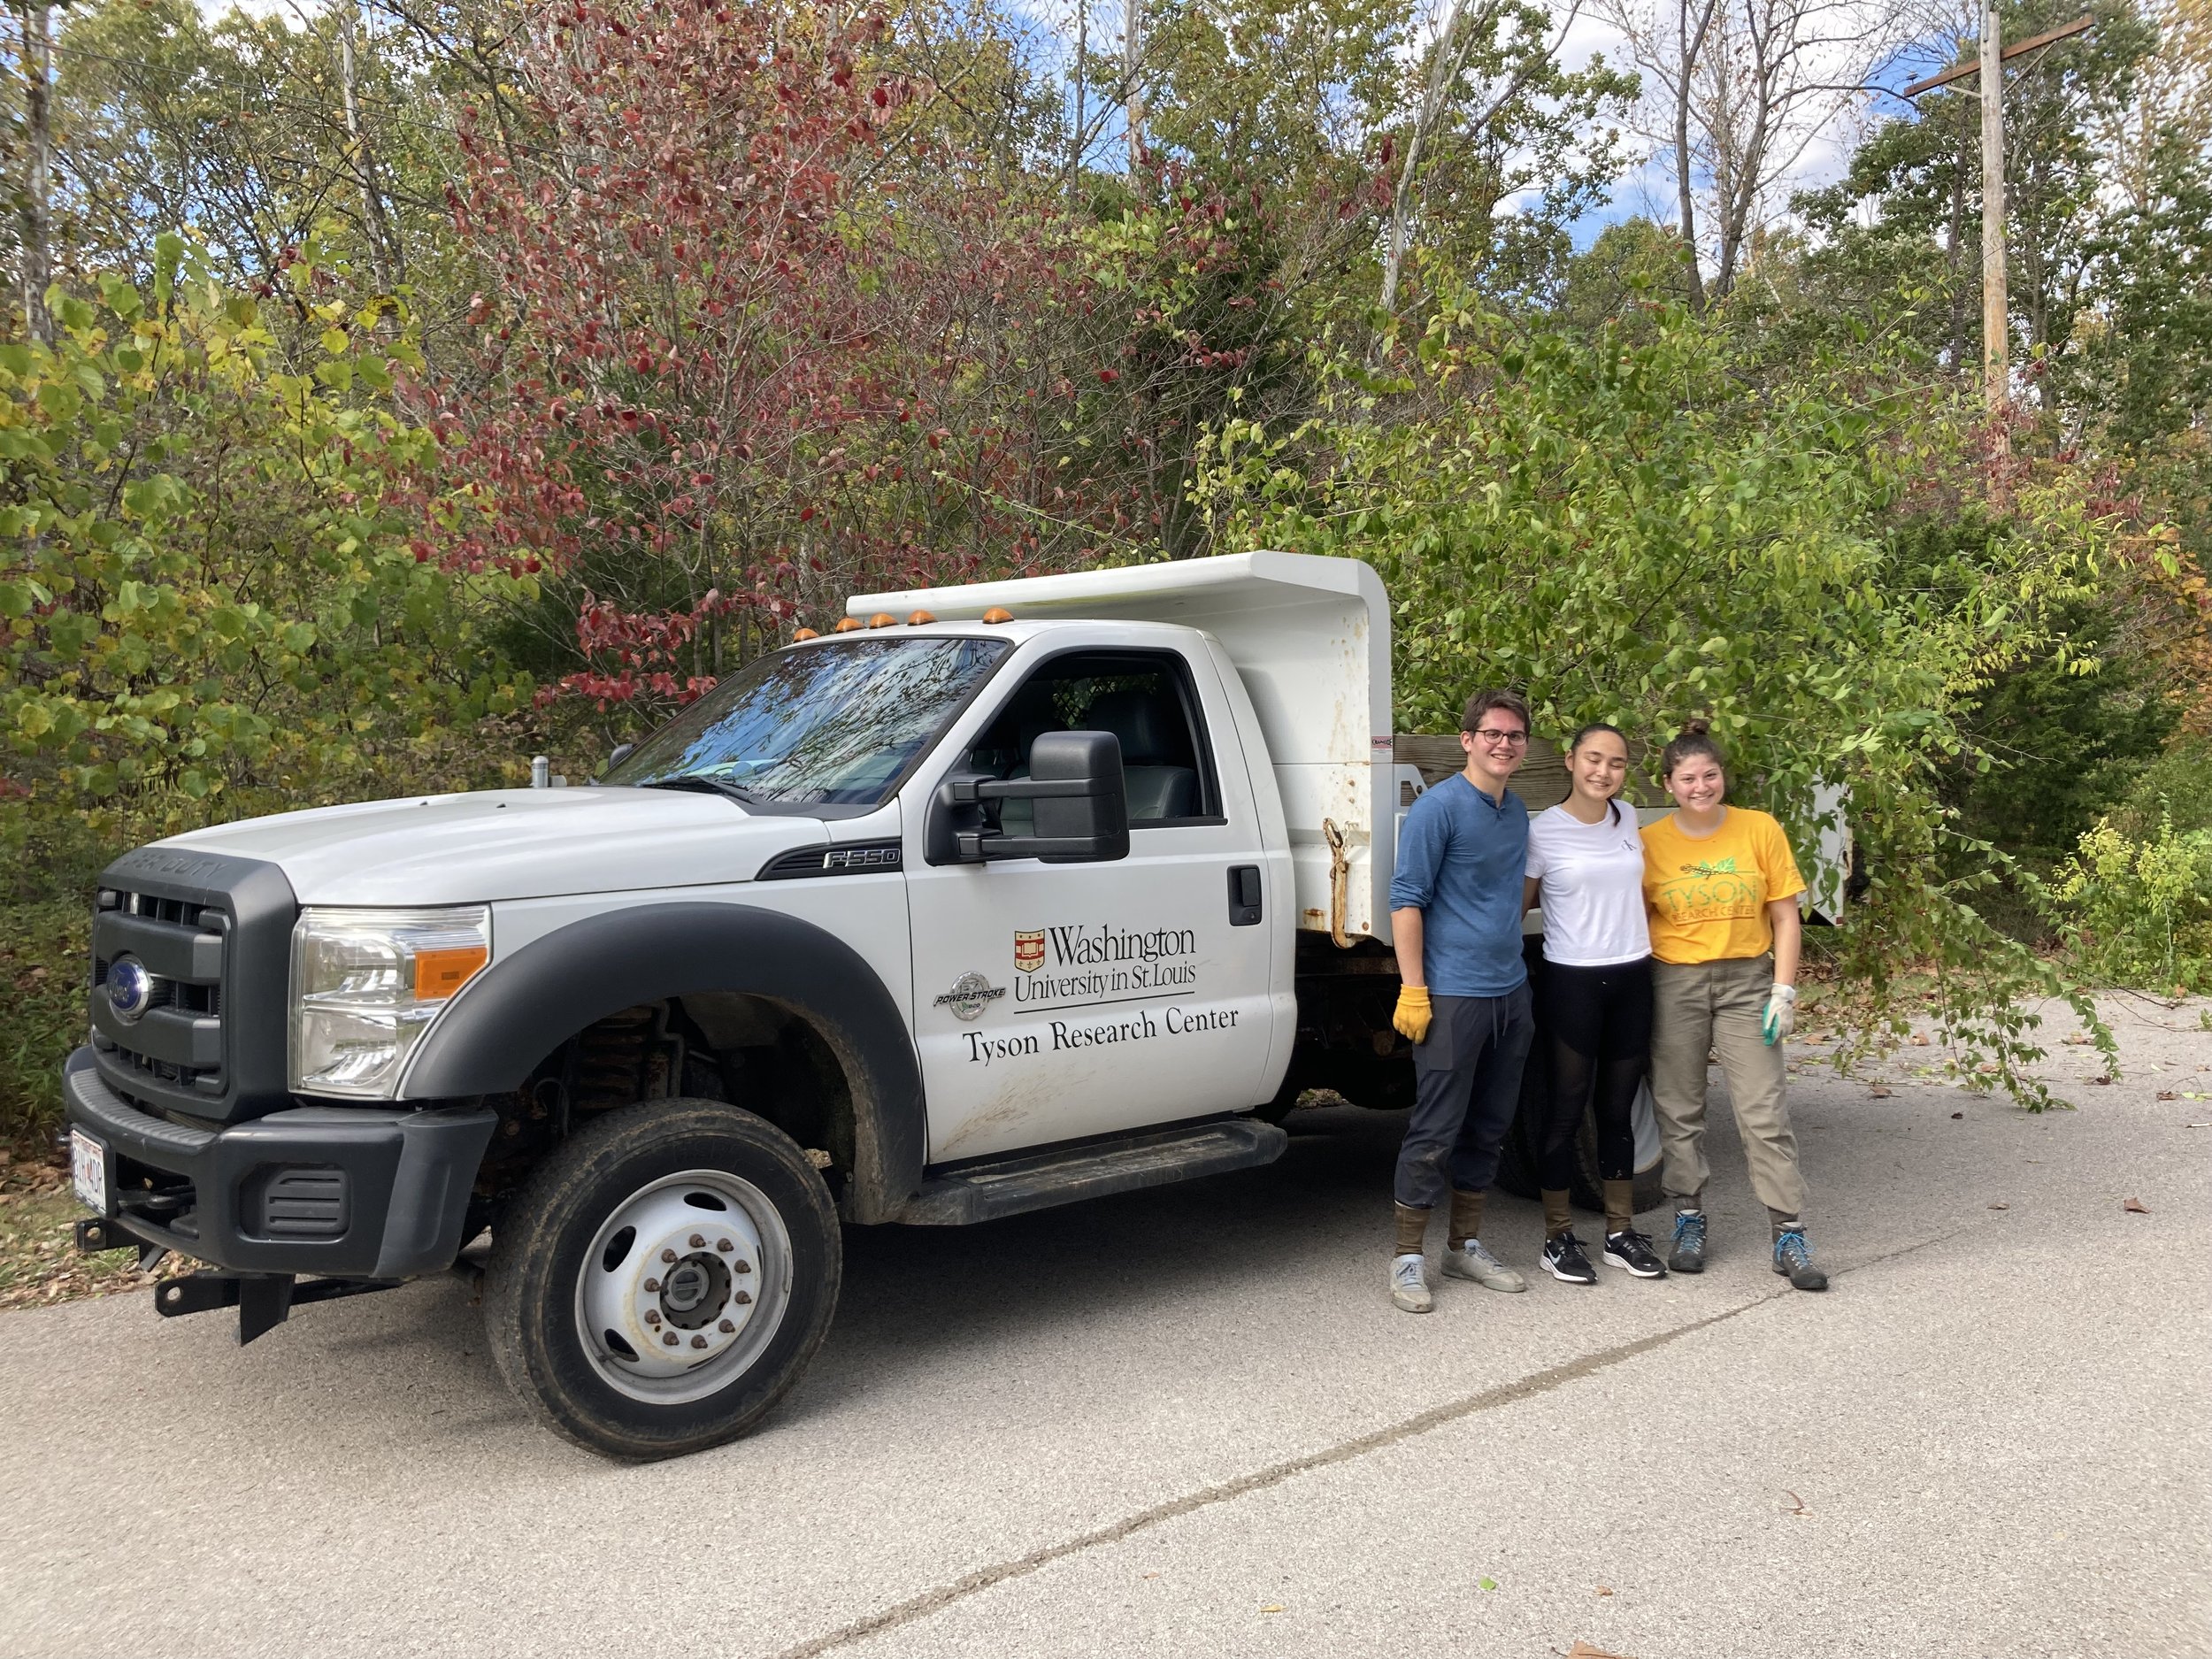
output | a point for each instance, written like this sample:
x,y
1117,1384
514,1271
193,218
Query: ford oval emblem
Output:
x,y
130,987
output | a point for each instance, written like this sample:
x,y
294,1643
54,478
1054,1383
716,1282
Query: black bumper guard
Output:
x,y
406,1176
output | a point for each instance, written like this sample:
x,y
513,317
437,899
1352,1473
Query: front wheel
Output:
x,y
662,1278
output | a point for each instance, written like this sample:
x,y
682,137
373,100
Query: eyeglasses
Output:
x,y
1494,737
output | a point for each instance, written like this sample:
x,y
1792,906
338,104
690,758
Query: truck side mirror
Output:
x,y
1082,807
622,752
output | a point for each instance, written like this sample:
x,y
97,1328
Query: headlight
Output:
x,y
367,984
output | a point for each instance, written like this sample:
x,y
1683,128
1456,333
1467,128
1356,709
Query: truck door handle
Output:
x,y
1244,895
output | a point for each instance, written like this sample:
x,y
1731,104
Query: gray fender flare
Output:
x,y
527,1004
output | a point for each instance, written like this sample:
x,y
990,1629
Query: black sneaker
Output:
x,y
1793,1255
1562,1254
1633,1250
1688,1255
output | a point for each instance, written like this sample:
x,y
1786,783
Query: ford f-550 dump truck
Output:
x,y
999,897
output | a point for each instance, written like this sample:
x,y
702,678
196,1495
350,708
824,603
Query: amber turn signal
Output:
x,y
440,973
918,617
847,624
995,614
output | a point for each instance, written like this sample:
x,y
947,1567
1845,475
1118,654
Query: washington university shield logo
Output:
x,y
1029,950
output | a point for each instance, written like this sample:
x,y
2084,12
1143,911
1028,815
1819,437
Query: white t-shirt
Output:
x,y
1594,887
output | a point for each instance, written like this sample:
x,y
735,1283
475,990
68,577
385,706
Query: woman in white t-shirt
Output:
x,y
1586,860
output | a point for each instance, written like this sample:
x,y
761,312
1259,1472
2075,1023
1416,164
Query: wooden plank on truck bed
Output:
x,y
1541,781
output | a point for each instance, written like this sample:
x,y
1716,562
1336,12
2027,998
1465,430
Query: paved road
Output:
x,y
1188,1421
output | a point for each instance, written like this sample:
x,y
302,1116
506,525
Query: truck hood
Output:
x,y
509,844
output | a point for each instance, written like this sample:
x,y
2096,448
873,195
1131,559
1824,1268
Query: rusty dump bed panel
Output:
x,y
1310,639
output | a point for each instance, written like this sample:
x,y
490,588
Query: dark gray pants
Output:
x,y
1467,1083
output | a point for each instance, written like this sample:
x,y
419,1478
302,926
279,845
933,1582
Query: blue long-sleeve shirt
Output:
x,y
1461,861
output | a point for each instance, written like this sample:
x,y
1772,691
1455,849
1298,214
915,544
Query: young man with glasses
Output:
x,y
1455,916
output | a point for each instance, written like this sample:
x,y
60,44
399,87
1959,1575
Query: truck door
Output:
x,y
1054,1002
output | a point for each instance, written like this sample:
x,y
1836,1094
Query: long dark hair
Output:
x,y
1692,740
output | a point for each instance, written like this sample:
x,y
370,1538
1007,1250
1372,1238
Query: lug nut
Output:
x,y
741,1298
725,1327
741,1267
652,1317
698,1341
698,1241
652,1284
724,1246
669,1338
669,1256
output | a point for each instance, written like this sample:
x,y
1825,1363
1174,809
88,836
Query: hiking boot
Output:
x,y
1472,1261
1688,1254
1409,1283
1793,1255
1631,1250
1562,1254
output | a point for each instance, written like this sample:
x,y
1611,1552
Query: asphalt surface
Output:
x,y
1189,1421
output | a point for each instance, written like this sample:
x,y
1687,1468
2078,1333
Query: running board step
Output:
x,y
988,1191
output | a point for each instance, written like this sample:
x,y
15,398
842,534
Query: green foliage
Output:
x,y
2057,740
2136,911
45,952
203,585
1612,526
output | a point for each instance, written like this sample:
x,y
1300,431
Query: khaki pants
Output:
x,y
1718,1006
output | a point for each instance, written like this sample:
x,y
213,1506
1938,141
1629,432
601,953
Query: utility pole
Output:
x,y
1996,310
37,215
1131,33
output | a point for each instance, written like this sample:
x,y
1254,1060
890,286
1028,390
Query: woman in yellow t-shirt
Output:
x,y
1720,888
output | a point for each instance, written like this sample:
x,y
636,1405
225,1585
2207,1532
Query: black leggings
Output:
x,y
1596,1025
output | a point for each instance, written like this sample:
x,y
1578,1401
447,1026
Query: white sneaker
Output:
x,y
1409,1283
1472,1261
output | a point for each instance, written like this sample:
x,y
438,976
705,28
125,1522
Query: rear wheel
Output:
x,y
662,1279
1518,1160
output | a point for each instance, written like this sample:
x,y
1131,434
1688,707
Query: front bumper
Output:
x,y
340,1191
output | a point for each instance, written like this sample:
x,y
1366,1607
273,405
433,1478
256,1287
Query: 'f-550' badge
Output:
x,y
969,995
1029,950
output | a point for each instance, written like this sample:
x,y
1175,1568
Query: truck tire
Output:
x,y
1516,1159
662,1278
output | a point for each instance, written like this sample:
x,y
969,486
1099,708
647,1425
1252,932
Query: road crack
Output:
x,y
1491,1399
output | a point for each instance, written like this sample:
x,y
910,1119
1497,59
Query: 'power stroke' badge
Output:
x,y
969,995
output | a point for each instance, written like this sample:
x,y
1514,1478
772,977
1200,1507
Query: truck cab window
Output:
x,y
1144,699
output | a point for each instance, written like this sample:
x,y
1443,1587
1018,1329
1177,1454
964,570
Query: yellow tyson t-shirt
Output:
x,y
1708,897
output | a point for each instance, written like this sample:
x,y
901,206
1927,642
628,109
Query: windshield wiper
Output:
x,y
698,784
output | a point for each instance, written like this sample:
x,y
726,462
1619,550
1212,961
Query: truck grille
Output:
x,y
199,928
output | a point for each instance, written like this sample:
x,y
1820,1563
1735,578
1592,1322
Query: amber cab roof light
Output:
x,y
882,619
804,634
997,613
849,624
918,617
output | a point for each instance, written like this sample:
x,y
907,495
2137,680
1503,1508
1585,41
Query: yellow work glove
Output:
x,y
1413,1013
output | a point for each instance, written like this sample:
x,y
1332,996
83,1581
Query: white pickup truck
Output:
x,y
997,897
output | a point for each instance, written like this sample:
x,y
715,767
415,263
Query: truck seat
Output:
x,y
1152,744
1155,742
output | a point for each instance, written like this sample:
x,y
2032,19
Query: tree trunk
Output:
x,y
1685,192
383,251
37,218
1132,43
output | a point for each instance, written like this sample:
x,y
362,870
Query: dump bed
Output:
x,y
1310,638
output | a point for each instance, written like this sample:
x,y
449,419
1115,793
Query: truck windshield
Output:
x,y
834,724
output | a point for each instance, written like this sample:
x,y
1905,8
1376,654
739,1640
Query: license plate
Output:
x,y
88,1169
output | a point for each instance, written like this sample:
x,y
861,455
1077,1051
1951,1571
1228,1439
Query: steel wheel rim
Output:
x,y
716,1258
